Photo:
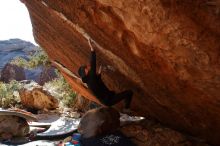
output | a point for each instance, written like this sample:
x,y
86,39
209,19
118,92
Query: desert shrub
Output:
x,y
9,96
35,59
60,89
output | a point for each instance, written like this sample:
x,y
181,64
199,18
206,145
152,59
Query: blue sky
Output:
x,y
15,21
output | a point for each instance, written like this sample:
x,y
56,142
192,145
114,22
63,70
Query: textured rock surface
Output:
x,y
13,126
82,104
12,72
33,96
48,74
167,51
99,121
150,133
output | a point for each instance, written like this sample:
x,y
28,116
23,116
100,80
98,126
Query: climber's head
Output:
x,y
83,70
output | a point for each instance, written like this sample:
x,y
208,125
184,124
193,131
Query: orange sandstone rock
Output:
x,y
166,51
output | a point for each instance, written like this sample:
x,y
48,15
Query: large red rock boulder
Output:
x,y
12,72
167,51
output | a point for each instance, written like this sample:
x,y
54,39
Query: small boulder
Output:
x,y
99,121
12,72
13,126
48,74
34,96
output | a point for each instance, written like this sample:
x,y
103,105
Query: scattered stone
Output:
x,y
67,110
72,114
99,121
13,126
33,96
126,119
12,72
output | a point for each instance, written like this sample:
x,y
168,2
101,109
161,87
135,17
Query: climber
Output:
x,y
96,85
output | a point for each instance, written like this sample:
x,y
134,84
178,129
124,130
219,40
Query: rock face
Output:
x,y
33,96
99,121
166,51
12,72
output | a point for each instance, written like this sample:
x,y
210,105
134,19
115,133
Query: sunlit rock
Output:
x,y
166,51
35,97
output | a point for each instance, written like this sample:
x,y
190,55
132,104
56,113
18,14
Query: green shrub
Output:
x,y
37,58
62,91
9,96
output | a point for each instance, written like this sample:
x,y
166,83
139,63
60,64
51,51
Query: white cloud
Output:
x,y
15,21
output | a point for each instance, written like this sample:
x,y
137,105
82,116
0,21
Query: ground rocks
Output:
x,y
151,133
12,72
33,96
13,126
99,121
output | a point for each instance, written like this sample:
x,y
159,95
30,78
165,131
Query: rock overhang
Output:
x,y
167,52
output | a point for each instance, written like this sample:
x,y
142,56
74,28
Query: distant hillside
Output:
x,y
13,48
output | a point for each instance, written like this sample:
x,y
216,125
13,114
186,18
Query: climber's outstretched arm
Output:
x,y
92,58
